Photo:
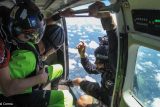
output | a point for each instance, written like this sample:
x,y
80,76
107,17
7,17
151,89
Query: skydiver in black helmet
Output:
x,y
105,63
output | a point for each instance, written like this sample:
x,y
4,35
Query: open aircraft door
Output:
x,y
138,30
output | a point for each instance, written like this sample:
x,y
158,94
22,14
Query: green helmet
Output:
x,y
27,19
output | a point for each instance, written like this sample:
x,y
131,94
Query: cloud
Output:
x,y
157,77
93,45
139,67
71,35
92,56
141,54
80,21
79,33
156,102
159,84
158,55
84,40
148,64
80,65
72,64
84,36
89,29
149,54
157,70
73,50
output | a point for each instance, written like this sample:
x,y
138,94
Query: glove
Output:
x,y
81,49
94,10
55,71
106,18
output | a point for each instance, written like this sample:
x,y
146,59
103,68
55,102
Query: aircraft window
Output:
x,y
86,29
146,86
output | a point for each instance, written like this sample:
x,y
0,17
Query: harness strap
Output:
x,y
27,46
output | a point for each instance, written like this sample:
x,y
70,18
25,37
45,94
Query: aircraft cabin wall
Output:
x,y
140,20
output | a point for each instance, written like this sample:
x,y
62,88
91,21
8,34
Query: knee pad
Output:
x,y
60,98
68,98
55,71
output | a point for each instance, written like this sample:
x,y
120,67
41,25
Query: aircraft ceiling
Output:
x,y
52,6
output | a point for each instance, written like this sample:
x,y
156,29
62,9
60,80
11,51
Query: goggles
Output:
x,y
36,31
35,35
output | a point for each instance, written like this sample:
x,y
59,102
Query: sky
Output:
x,y
79,22
86,23
148,65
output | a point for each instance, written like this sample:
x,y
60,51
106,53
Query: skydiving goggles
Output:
x,y
34,35
36,29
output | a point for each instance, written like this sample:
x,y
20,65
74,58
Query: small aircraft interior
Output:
x,y
138,64
138,30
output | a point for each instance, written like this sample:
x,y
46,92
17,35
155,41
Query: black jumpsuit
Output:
x,y
104,91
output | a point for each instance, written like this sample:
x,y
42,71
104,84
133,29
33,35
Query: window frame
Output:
x,y
135,40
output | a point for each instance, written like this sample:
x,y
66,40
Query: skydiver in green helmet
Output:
x,y
26,24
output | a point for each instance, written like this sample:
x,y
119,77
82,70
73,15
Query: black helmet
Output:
x,y
101,53
27,19
103,40
53,37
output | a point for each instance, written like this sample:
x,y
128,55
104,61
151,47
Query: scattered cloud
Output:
x,y
141,54
93,45
92,61
71,35
84,36
158,55
79,33
90,78
84,40
73,50
157,77
89,29
80,65
157,70
72,64
82,29
156,102
91,56
139,67
148,64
